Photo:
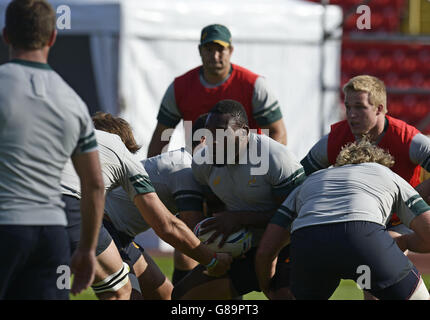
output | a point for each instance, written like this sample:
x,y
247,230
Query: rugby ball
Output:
x,y
236,244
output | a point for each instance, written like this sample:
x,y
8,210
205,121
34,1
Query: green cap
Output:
x,y
216,33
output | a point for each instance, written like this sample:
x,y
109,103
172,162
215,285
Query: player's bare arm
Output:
x,y
157,144
177,234
88,168
424,190
274,239
419,241
277,131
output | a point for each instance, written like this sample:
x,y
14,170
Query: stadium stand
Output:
x,y
386,51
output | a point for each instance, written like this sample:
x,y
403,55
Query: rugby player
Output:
x,y
121,168
170,174
251,190
43,122
337,220
366,112
198,90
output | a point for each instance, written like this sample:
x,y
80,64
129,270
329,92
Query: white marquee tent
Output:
x,y
135,48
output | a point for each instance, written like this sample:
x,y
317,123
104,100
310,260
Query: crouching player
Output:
x,y
337,220
170,174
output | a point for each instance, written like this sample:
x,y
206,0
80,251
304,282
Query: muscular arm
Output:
x,y
419,153
274,239
191,218
419,241
277,131
181,261
175,232
157,143
83,262
424,190
317,157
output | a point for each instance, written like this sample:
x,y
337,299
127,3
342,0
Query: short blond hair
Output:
x,y
363,151
372,85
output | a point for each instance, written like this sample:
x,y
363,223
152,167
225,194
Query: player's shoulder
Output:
x,y
244,74
371,170
11,76
11,69
401,127
170,161
274,148
110,141
241,69
189,73
342,124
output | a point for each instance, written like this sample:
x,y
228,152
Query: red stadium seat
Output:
x,y
399,65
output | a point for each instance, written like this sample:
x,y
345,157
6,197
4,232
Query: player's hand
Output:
x,y
224,223
401,242
223,265
83,266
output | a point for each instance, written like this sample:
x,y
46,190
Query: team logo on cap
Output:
x,y
217,181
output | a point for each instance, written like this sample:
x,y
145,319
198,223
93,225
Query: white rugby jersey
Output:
x,y
239,189
171,176
119,168
42,123
357,192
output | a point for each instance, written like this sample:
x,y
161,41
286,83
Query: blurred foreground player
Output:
x,y
42,123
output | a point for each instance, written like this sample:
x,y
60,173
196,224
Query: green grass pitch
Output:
x,y
347,289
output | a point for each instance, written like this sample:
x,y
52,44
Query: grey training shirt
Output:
x,y
42,123
361,192
119,168
270,170
170,174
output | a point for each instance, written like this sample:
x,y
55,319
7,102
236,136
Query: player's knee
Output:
x,y
124,292
116,286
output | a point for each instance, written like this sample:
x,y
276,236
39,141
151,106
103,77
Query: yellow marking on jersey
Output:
x,y
217,181
137,247
252,181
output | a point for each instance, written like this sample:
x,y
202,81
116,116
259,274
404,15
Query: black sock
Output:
x,y
178,275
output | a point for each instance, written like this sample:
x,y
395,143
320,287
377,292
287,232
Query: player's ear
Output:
x,y
231,49
379,109
52,38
